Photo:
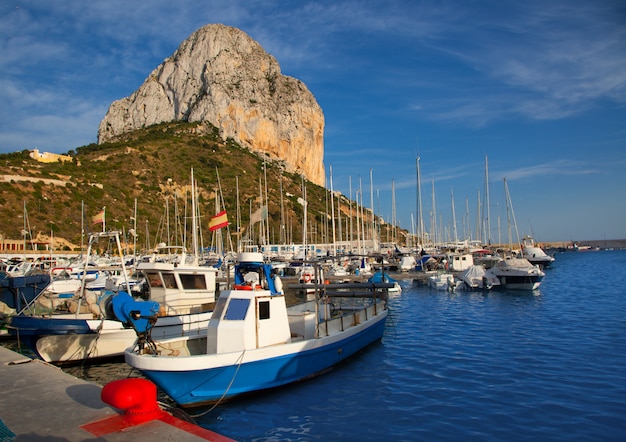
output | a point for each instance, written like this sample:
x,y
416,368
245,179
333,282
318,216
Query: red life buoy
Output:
x,y
242,287
307,277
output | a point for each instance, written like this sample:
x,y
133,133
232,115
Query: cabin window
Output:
x,y
264,310
193,282
154,279
170,281
237,309
219,308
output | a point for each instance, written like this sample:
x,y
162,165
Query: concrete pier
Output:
x,y
38,401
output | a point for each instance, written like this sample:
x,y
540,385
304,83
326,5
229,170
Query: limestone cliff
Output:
x,y
221,75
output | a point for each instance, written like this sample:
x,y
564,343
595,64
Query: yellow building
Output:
x,y
47,157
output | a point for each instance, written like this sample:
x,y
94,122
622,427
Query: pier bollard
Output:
x,y
136,397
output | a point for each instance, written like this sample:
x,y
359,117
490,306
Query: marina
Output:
x,y
254,245
495,365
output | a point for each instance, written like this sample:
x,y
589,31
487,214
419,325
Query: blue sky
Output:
x,y
539,87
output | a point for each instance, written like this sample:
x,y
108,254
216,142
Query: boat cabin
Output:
x,y
253,314
246,320
180,289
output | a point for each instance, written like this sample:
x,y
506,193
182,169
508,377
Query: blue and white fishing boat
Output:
x,y
255,341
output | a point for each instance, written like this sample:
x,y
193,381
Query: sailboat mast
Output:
x,y
373,226
194,225
509,206
262,239
467,228
332,212
350,230
304,226
238,216
479,236
456,238
283,239
267,206
393,208
487,204
135,231
434,216
339,219
420,216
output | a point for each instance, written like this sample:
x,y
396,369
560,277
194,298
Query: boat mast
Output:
x,y
194,225
339,219
509,206
373,226
135,232
332,212
350,230
304,223
262,239
393,209
283,239
467,228
420,217
24,231
488,220
453,217
267,205
434,216
82,226
238,216
479,229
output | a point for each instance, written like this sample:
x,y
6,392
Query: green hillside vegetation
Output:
x,y
153,166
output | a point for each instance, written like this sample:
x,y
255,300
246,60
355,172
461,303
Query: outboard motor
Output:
x,y
139,315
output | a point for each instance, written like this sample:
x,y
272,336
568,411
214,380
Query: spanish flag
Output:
x,y
218,221
99,218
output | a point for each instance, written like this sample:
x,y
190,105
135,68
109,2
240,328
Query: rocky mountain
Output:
x,y
222,76
150,169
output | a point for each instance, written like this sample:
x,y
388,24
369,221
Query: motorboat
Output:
x,y
477,278
535,254
443,281
518,274
379,276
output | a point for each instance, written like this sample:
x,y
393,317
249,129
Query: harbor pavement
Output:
x,y
39,402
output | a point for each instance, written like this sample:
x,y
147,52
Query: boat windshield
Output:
x,y
237,309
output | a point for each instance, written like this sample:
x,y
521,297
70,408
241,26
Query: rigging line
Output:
x,y
225,391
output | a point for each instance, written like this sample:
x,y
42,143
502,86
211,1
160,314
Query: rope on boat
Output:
x,y
240,359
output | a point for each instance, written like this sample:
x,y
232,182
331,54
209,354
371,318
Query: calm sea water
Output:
x,y
515,366
547,365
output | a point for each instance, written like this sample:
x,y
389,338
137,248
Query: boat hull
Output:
x,y
69,340
520,282
542,262
208,378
